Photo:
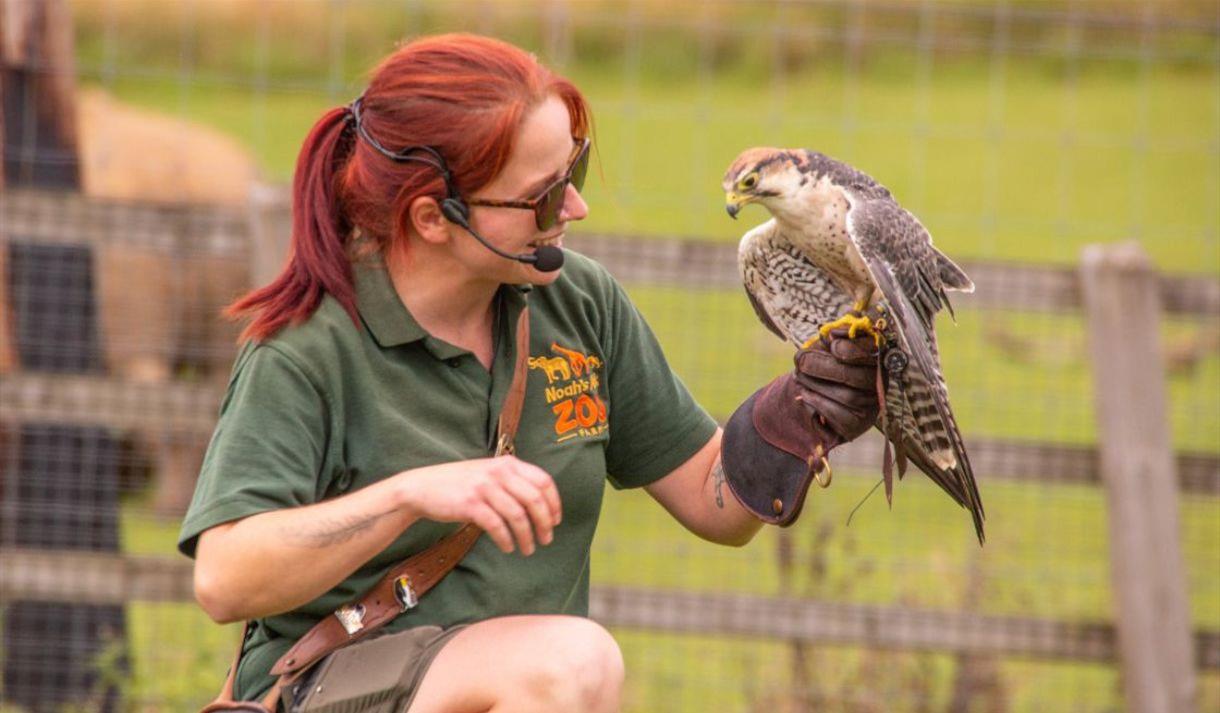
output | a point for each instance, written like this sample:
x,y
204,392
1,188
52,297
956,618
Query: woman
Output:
x,y
362,409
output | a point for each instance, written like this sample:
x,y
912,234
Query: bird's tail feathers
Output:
x,y
923,430
927,421
909,444
944,459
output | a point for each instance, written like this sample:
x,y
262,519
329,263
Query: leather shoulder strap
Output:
x,y
226,692
224,703
396,592
510,412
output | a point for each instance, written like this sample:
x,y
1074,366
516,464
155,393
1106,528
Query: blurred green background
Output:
x,y
1016,131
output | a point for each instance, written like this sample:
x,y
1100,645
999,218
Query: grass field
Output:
x,y
1011,160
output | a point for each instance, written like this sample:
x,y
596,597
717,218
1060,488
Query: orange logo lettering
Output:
x,y
573,385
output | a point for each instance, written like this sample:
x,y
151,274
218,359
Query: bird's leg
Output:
x,y
855,321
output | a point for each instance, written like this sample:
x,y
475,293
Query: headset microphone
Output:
x,y
546,258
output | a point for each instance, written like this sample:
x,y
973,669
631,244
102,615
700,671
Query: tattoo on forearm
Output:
x,y
333,531
718,475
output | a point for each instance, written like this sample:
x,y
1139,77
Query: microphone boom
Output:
x,y
546,258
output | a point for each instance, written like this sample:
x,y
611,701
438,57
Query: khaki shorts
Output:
x,y
380,675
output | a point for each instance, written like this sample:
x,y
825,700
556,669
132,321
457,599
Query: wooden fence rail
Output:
x,y
700,264
190,408
57,576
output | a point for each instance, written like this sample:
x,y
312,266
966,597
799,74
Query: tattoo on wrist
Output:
x,y
718,475
335,530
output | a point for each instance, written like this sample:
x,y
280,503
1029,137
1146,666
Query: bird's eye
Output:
x,y
749,181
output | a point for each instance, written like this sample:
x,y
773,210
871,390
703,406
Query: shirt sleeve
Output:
x,y
655,423
268,449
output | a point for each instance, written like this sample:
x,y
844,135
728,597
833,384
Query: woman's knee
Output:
x,y
582,667
526,663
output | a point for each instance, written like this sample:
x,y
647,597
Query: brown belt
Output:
x,y
400,589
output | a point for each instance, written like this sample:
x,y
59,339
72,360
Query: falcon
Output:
x,y
839,252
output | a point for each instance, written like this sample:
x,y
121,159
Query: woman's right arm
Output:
x,y
275,561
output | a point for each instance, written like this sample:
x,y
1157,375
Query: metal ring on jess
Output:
x,y
895,361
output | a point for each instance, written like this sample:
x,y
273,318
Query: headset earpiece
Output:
x,y
456,211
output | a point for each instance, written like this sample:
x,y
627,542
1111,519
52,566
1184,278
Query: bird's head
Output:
x,y
764,175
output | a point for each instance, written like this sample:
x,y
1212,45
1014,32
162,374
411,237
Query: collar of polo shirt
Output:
x,y
388,319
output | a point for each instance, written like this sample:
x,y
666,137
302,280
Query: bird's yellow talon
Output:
x,y
855,324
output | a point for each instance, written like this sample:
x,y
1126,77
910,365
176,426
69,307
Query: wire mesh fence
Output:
x,y
1018,131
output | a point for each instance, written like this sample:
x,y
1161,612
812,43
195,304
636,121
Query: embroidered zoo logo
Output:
x,y
573,378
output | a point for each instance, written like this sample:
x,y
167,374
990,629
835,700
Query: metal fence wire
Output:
x,y
1019,131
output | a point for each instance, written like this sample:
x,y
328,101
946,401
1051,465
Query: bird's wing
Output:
x,y
760,311
790,294
906,268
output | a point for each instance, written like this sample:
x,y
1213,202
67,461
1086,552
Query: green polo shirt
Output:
x,y
326,407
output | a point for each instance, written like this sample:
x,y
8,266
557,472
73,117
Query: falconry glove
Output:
x,y
777,441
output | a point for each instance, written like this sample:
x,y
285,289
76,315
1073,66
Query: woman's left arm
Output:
x,y
696,495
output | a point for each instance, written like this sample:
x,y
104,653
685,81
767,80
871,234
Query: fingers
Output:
x,y
849,421
862,350
542,480
539,512
514,515
525,505
823,365
493,524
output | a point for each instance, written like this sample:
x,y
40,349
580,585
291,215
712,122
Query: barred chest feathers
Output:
x,y
816,221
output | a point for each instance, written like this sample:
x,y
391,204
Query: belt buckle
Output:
x,y
351,616
405,593
504,446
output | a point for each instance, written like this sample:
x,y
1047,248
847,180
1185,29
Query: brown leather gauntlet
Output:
x,y
777,441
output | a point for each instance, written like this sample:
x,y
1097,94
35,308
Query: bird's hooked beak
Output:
x,y
734,201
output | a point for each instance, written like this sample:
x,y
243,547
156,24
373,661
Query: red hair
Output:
x,y
462,94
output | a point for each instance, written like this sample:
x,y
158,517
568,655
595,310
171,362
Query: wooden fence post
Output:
x,y
38,88
270,232
1123,320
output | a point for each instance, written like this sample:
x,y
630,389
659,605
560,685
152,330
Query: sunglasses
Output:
x,y
549,202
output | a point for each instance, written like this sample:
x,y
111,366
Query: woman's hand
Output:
x,y
505,496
